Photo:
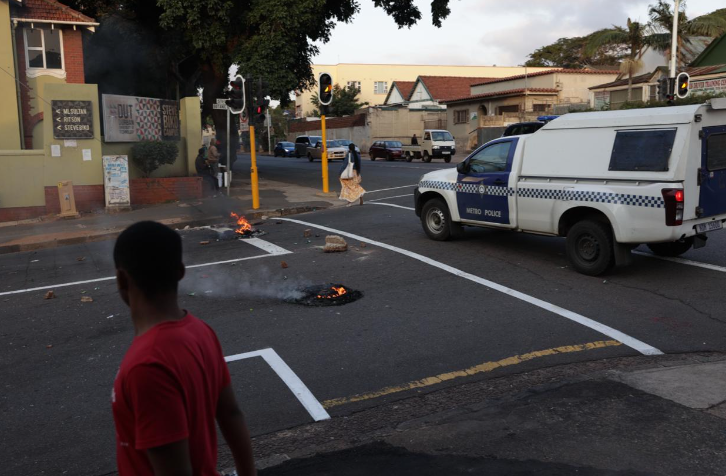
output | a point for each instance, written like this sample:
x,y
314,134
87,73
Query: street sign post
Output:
x,y
220,104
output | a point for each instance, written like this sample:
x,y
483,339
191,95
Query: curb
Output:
x,y
102,236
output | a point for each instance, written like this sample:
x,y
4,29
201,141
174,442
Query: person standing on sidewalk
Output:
x,y
204,170
350,178
173,381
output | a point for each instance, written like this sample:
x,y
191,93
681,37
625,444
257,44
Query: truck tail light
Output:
x,y
673,198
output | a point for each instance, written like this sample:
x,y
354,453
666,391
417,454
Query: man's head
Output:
x,y
148,258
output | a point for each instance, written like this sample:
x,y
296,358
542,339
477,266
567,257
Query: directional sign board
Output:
x,y
72,119
220,104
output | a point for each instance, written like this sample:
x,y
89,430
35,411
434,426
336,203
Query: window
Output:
x,y
540,107
380,87
427,136
43,48
653,92
493,158
353,84
461,116
645,150
442,136
393,144
716,152
617,98
502,109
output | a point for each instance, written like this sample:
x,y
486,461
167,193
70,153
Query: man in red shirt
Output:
x,y
173,381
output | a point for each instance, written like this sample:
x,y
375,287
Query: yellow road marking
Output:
x,y
477,369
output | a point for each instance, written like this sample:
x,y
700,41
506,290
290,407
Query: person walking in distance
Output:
x,y
350,178
414,140
173,381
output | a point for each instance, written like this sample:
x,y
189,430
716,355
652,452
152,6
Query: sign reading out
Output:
x,y
134,119
72,119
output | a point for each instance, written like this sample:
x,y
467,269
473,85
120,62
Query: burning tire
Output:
x,y
326,295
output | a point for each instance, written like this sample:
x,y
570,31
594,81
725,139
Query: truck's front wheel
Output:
x,y
436,220
426,156
590,247
672,249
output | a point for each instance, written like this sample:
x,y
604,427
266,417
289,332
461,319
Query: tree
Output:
x,y
570,53
272,39
345,102
634,39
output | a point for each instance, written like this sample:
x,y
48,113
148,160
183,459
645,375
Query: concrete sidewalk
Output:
x,y
630,416
276,199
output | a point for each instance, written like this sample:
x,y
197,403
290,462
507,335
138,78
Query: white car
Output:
x,y
608,181
335,151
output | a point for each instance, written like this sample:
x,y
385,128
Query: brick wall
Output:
x,y
73,56
332,123
150,191
20,213
88,198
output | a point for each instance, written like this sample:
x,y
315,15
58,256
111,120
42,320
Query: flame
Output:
x,y
243,226
339,291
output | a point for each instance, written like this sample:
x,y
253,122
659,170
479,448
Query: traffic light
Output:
x,y
236,101
259,112
682,83
325,91
662,89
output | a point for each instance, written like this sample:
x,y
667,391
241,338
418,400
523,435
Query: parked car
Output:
x,y
435,144
651,177
345,143
388,149
302,143
335,151
284,149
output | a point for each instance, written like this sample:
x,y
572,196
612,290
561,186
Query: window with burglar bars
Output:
x,y
353,84
380,87
461,116
540,107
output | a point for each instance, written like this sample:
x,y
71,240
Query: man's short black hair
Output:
x,y
151,253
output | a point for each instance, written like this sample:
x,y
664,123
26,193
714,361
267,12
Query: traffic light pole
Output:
x,y
253,170
674,41
324,156
229,159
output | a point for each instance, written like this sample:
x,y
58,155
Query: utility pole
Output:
x,y
325,96
269,140
229,159
674,40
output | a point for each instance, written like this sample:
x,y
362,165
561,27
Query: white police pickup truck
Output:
x,y
608,181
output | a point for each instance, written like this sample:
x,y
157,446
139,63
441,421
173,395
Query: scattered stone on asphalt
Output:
x,y
109,317
50,295
34,261
334,244
283,264
362,245
86,299
307,233
49,346
206,242
81,258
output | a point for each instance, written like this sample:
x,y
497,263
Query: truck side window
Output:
x,y
427,136
716,152
491,159
643,150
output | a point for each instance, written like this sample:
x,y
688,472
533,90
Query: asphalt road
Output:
x,y
428,309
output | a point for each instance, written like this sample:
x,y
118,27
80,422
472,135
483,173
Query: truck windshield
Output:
x,y
441,136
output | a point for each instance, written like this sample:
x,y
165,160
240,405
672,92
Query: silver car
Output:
x,y
335,151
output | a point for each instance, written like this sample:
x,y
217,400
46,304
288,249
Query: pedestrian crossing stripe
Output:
x,y
546,194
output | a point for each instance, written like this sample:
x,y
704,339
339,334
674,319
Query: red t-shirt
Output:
x,y
166,390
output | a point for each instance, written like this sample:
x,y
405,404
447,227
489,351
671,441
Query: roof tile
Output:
x,y
508,92
443,88
49,10
549,71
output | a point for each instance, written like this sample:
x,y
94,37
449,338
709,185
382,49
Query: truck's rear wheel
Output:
x,y
436,220
426,156
675,248
590,247
409,157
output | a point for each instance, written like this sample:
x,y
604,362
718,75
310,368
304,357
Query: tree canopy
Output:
x,y
345,101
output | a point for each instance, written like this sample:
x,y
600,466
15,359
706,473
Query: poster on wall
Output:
x,y
170,120
72,119
135,119
116,181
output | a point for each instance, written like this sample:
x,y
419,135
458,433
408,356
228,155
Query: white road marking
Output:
x,y
395,196
272,250
293,382
631,342
392,188
689,262
392,205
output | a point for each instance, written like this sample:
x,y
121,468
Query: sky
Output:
x,y
481,32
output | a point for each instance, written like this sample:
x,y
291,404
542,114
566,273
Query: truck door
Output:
x,y
482,194
713,171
